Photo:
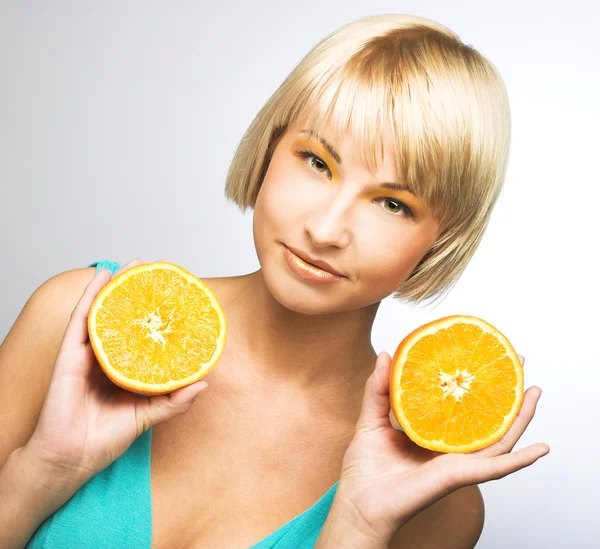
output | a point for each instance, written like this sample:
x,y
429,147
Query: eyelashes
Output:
x,y
307,155
403,207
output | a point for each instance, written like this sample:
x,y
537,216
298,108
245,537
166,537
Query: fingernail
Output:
x,y
202,388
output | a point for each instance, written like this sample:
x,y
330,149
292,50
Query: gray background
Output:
x,y
118,121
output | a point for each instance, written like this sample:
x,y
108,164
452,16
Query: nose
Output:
x,y
328,225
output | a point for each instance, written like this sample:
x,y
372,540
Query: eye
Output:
x,y
398,206
318,164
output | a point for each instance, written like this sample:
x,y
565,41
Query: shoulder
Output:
x,y
62,291
28,353
53,301
453,522
66,280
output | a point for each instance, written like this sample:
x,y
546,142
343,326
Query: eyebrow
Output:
x,y
329,148
325,144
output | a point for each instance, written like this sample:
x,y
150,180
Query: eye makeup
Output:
x,y
306,154
329,148
406,199
305,149
309,150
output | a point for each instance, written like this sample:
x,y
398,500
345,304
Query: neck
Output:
x,y
307,351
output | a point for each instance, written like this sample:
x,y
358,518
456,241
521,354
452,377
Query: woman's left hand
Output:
x,y
387,479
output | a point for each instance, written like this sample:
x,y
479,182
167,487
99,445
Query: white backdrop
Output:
x,y
118,121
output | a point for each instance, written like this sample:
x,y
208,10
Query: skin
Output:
x,y
336,212
289,341
316,339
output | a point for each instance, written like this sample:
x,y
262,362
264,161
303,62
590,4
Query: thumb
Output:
x,y
162,407
375,409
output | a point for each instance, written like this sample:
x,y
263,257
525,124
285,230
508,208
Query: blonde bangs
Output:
x,y
444,103
437,95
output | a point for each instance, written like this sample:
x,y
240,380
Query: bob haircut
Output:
x,y
450,119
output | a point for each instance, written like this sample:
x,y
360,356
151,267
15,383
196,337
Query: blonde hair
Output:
x,y
450,121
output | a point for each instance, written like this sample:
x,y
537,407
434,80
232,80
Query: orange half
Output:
x,y
156,328
456,384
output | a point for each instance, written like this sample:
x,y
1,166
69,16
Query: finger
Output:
x,y
516,430
478,471
76,332
376,399
159,408
394,421
521,360
132,263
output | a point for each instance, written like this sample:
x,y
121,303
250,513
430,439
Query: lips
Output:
x,y
316,262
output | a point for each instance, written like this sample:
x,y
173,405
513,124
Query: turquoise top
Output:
x,y
114,508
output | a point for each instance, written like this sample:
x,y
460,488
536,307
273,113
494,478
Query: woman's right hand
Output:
x,y
87,421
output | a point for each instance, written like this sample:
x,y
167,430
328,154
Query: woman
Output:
x,y
372,170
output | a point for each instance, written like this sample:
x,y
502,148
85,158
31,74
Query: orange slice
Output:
x,y
456,384
155,328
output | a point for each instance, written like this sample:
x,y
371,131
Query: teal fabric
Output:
x,y
114,508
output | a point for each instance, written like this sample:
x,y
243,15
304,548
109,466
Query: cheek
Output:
x,y
388,261
277,208
282,202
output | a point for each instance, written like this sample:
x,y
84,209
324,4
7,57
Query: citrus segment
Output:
x,y
156,328
456,384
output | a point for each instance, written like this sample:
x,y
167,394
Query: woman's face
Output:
x,y
328,205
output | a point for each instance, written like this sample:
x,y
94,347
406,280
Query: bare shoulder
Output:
x,y
54,300
28,352
71,282
454,522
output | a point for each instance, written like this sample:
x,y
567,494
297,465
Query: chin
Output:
x,y
300,300
299,296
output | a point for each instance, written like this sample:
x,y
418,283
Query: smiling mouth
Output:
x,y
321,265
308,271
